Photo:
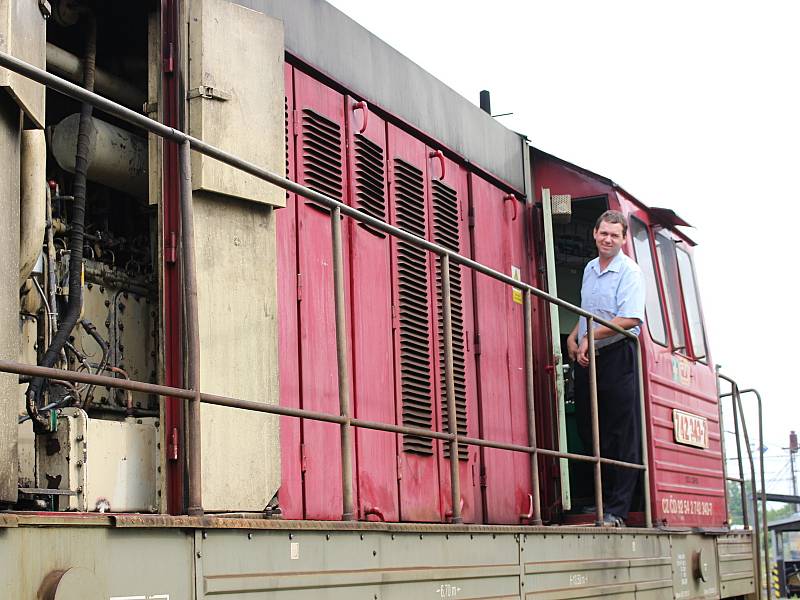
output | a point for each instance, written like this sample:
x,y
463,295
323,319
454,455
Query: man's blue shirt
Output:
x,y
618,291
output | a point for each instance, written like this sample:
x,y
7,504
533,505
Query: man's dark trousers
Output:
x,y
620,424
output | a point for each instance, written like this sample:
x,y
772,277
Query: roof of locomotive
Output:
x,y
332,43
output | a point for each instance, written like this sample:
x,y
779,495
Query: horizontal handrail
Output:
x,y
133,385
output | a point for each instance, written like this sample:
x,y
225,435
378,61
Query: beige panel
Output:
x,y
22,35
236,96
9,296
238,347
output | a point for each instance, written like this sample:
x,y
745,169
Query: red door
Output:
x,y
499,242
448,208
319,123
290,494
415,380
371,315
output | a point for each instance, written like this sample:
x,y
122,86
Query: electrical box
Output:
x,y
109,466
236,98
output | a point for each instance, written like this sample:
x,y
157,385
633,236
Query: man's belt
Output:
x,y
613,346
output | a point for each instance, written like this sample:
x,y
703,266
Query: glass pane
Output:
x,y
692,302
665,248
653,313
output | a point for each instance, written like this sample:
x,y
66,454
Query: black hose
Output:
x,y
72,313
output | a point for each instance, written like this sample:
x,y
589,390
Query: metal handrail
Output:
x,y
759,527
446,256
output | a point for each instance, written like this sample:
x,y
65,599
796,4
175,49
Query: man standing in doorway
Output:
x,y
613,289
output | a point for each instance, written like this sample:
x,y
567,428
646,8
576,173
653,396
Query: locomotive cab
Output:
x,y
681,404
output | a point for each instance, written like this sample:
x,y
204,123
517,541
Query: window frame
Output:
x,y
654,267
682,326
679,247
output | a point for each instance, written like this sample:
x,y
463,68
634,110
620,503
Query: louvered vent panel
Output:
x,y
370,180
446,232
412,273
322,156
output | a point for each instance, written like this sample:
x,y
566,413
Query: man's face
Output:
x,y
609,239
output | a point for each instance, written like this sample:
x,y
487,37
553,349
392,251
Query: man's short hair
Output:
x,y
613,216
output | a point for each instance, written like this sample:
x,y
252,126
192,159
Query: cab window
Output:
x,y
691,300
668,262
654,314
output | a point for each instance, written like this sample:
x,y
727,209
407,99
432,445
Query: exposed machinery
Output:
x,y
347,386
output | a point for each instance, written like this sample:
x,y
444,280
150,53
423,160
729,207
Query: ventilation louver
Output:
x,y
446,232
412,273
322,156
370,181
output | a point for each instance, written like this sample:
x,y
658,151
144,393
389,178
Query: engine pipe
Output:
x,y
32,200
75,302
66,64
117,158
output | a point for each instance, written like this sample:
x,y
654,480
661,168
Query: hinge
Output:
x,y
483,477
471,217
477,345
299,287
296,122
466,340
150,108
399,467
395,318
171,251
208,92
303,461
172,445
168,62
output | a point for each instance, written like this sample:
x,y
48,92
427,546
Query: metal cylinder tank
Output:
x,y
117,158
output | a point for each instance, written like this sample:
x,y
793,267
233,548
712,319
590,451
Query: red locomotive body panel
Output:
x,y
371,315
448,203
319,155
415,377
291,491
688,481
499,239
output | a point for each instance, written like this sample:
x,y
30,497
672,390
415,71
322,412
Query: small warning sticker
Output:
x,y
516,294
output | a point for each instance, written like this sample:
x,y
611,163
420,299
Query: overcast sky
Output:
x,y
689,105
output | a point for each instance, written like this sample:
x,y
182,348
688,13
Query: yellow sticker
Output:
x,y
681,370
516,294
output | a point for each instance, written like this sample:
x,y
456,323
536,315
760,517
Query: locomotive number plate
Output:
x,y
690,429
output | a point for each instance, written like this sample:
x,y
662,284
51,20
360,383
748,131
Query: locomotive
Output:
x,y
283,314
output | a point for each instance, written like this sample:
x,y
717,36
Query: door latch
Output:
x,y
209,92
